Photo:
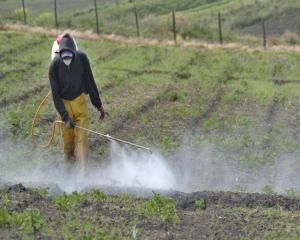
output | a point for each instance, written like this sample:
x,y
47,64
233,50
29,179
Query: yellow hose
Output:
x,y
36,115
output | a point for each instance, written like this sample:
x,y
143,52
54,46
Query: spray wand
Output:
x,y
107,136
112,138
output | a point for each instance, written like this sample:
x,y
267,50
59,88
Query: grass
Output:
x,y
163,93
195,19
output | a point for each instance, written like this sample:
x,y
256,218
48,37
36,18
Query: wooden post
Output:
x,y
55,14
96,15
220,28
264,33
174,26
137,22
24,11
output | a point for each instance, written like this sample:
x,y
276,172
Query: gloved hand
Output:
x,y
102,113
70,124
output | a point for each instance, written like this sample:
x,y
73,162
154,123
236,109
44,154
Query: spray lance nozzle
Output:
x,y
115,139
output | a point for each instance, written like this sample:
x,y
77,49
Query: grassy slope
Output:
x,y
155,90
157,96
195,19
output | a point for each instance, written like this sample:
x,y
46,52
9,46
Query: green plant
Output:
x,y
161,208
4,216
43,192
45,19
173,96
65,202
4,199
291,192
27,221
200,204
98,195
267,189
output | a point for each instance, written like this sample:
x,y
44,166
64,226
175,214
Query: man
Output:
x,y
71,78
55,46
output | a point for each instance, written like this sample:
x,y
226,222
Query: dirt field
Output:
x,y
223,215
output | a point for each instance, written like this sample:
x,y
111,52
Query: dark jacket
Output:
x,y
69,82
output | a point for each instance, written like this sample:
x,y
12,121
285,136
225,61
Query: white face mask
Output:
x,y
67,61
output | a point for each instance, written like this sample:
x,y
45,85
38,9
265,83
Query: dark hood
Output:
x,y
67,43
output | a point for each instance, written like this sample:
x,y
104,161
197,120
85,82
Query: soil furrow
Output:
x,y
108,56
19,49
271,115
210,109
19,70
233,200
127,118
144,71
15,99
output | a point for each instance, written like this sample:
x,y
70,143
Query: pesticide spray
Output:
x,y
139,167
125,167
188,171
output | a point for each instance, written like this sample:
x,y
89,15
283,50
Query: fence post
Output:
x,y
137,22
220,28
24,11
55,14
96,15
264,33
174,26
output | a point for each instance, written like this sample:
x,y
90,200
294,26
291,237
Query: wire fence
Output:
x,y
218,23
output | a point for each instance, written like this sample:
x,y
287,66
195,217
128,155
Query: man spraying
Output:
x,y
71,77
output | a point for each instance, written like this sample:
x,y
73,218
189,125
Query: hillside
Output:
x,y
195,19
216,119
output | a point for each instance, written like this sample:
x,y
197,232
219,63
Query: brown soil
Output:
x,y
226,215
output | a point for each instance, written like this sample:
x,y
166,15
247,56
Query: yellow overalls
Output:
x,y
74,140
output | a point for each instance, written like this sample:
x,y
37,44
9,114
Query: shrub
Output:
x,y
290,38
45,19
17,14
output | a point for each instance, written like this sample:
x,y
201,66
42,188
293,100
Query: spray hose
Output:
x,y
56,122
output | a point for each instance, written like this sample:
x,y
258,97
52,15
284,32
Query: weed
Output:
x,y
98,195
200,204
291,38
27,221
240,188
4,216
65,202
291,192
173,96
4,199
267,189
161,208
43,192
168,144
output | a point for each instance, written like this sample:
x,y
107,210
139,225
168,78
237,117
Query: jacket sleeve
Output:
x,y
90,84
59,105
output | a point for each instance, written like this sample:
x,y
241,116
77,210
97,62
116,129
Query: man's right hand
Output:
x,y
70,124
102,113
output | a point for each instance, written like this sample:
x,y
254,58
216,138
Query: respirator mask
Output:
x,y
67,61
67,57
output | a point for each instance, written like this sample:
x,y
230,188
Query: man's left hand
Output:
x,y
103,113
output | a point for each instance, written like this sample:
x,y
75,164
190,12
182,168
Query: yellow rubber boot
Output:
x,y
74,140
